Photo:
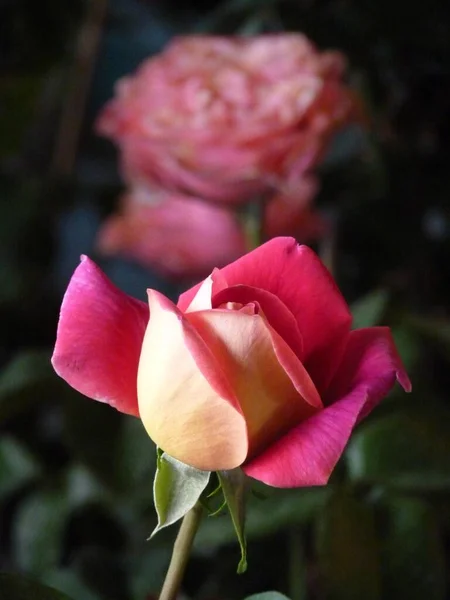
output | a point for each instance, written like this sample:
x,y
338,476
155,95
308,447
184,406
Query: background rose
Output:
x,y
181,236
257,366
175,235
228,118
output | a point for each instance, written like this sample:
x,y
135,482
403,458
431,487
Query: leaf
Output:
x,y
368,310
176,489
23,380
413,552
17,587
408,450
134,462
348,552
91,432
69,582
234,489
267,596
38,531
17,466
285,507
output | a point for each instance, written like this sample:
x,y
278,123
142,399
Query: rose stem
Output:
x,y
180,554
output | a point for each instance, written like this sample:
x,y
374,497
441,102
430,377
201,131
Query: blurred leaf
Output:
x,y
368,310
91,431
408,346
67,581
38,531
21,379
17,466
17,587
83,488
294,507
177,488
103,571
234,487
433,327
413,552
347,549
267,596
404,450
135,457
147,569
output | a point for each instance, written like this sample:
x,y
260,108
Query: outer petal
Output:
x,y
272,386
308,453
298,278
187,406
99,339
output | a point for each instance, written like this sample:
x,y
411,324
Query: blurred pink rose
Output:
x,y
175,235
229,118
181,236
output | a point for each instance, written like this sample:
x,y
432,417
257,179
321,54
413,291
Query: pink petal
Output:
x,y
298,278
99,339
186,402
272,386
170,232
308,453
279,317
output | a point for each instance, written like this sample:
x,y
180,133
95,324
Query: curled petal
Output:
x,y
99,339
309,452
277,314
187,405
298,278
272,386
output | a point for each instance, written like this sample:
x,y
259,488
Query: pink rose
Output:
x,y
228,118
255,367
170,233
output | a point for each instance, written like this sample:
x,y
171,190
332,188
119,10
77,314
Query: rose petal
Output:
x,y
298,278
254,358
308,453
278,316
99,339
187,406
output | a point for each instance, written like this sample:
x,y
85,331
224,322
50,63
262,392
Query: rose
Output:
x,y
228,118
169,232
255,367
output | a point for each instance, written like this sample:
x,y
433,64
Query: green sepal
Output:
x,y
176,489
234,488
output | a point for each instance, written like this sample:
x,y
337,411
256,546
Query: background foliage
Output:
x,y
75,477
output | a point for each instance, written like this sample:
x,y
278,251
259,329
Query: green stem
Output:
x,y
180,554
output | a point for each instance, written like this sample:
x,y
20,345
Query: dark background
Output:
x,y
75,476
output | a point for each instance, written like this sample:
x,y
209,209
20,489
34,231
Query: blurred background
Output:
x,y
75,476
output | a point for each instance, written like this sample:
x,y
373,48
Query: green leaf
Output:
x,y
23,380
368,310
17,466
285,507
408,450
17,587
135,461
70,583
348,552
38,531
91,432
234,489
267,596
413,552
176,489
